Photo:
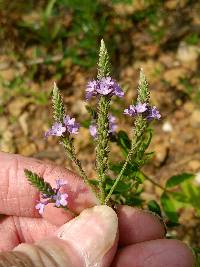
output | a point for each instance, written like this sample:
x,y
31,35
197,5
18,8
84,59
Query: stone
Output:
x,y
187,53
6,142
195,119
16,106
23,122
173,75
161,153
194,165
167,127
3,124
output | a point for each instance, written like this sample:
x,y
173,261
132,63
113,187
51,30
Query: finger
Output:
x,y
16,230
136,226
155,253
88,240
18,197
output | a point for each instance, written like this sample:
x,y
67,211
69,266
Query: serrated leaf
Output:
x,y
178,179
38,182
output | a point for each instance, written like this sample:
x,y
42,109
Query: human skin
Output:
x,y
98,237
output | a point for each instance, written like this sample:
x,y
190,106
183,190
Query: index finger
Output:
x,y
18,197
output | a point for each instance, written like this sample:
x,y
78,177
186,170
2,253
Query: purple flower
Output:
x,y
93,130
131,111
105,86
112,126
57,129
91,89
137,109
60,199
153,113
60,183
40,207
141,108
71,125
117,90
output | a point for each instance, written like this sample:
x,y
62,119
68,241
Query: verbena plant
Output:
x,y
102,129
116,182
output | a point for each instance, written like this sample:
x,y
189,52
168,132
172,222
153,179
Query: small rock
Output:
x,y
195,119
189,107
23,122
25,148
6,143
187,53
161,153
194,165
167,127
3,124
173,75
79,107
173,4
16,106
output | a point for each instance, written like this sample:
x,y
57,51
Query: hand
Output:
x,y
133,238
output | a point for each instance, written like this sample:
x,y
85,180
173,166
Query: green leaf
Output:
x,y
123,141
93,182
178,179
169,207
120,188
92,112
154,207
192,192
39,183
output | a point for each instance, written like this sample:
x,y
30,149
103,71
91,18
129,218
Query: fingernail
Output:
x,y
92,234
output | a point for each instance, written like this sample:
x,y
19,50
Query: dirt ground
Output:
x,y
171,65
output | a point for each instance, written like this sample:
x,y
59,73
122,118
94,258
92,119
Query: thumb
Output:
x,y
86,241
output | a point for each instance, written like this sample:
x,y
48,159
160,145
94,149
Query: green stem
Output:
x,y
102,149
134,147
155,183
70,150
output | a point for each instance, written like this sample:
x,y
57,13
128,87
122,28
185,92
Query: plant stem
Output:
x,y
102,149
140,128
70,150
132,150
155,183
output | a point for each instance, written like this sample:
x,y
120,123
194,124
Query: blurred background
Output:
x,y
58,40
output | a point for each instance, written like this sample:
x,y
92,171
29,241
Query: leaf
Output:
x,y
192,193
39,183
92,112
93,182
154,207
123,141
178,179
169,207
120,188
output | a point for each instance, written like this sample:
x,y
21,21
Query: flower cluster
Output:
x,y
142,108
58,128
60,199
105,86
112,126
